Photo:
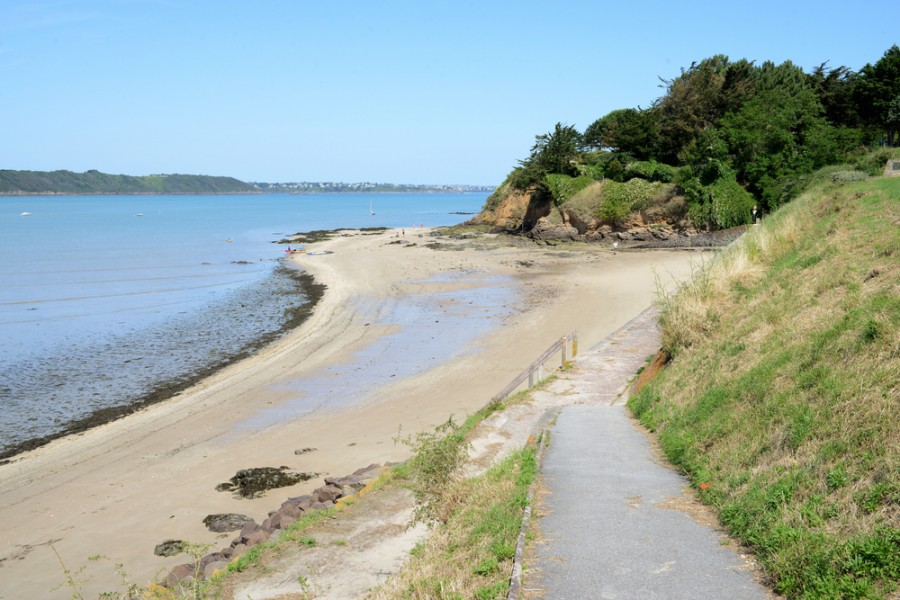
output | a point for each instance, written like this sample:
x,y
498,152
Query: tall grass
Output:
x,y
784,396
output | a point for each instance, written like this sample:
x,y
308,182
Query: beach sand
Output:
x,y
120,489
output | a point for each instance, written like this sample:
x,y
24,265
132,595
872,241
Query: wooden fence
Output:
x,y
536,369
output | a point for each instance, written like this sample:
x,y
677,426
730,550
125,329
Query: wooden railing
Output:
x,y
537,367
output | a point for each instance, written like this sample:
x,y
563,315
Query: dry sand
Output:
x,y
120,489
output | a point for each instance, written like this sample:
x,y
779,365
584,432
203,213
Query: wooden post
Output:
x,y
574,344
564,342
530,378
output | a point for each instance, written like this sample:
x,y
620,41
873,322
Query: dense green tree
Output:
x,y
555,152
697,99
834,87
877,91
628,130
779,135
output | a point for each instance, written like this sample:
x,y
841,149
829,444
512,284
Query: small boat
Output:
x,y
139,215
371,210
25,214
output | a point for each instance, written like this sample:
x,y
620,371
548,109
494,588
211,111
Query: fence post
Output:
x,y
530,378
574,344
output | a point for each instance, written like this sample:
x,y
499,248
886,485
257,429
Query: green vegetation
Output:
x,y
781,403
95,182
729,135
470,555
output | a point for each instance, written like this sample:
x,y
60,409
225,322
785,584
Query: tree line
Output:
x,y
730,134
95,182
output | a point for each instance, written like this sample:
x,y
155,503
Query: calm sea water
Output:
x,y
102,299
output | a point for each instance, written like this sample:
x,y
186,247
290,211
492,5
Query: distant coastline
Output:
x,y
95,183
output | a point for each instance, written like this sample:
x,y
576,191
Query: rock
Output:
x,y
211,558
221,523
247,530
328,493
301,502
304,450
278,521
210,569
168,548
258,537
179,574
290,510
238,550
321,505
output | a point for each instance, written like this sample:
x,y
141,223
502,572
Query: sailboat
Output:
x,y
371,210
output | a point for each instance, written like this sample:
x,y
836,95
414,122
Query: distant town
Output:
x,y
324,187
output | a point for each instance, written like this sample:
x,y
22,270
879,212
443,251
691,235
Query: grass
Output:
x,y
470,555
783,395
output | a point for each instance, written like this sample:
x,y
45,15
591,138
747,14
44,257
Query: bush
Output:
x,y
873,162
437,463
650,170
563,187
620,199
732,205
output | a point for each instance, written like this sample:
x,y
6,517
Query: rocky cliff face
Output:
x,y
512,210
533,214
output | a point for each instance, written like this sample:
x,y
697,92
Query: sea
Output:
x,y
111,302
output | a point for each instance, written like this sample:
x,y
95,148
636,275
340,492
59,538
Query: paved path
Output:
x,y
617,523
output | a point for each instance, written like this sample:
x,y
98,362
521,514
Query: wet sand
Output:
x,y
120,489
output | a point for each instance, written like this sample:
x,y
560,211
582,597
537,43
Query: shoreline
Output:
x,y
167,389
120,489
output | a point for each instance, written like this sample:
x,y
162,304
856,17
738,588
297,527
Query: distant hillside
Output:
x,y
781,400
95,182
329,187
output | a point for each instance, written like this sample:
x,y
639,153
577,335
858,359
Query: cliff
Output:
x,y
654,215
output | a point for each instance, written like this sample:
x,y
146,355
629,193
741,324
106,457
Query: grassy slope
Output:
x,y
783,403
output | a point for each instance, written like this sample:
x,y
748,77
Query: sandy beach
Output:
x,y
120,489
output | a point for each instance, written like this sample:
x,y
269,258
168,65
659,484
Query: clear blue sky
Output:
x,y
385,91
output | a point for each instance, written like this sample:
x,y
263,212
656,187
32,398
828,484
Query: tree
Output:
x,y
778,135
877,90
697,99
628,130
834,87
556,152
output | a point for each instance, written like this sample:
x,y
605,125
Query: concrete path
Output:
x,y
615,522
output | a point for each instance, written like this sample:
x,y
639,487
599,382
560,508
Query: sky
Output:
x,y
421,92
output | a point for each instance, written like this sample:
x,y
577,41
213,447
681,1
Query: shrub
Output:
x,y
732,205
650,170
873,162
436,465
563,187
620,199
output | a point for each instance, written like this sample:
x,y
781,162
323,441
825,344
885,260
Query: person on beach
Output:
x,y
615,247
